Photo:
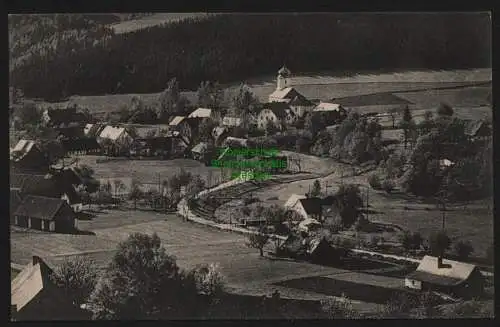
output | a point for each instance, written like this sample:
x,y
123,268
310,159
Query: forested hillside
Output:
x,y
89,59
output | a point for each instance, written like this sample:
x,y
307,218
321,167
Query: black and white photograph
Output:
x,y
281,165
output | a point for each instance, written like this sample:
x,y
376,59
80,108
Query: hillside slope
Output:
x,y
232,47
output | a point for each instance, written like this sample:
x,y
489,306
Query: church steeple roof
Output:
x,y
284,71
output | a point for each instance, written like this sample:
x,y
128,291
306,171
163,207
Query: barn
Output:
x,y
47,214
447,276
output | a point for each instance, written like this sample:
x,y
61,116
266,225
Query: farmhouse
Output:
x,y
304,206
27,156
447,276
202,113
47,214
332,113
35,297
476,129
199,150
93,130
114,139
277,113
300,105
183,126
57,187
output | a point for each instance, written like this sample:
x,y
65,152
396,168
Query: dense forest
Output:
x,y
85,57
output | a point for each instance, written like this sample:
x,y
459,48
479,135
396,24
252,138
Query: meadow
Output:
x,y
153,20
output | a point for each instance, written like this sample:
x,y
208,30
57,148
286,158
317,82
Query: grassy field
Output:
x,y
148,171
325,86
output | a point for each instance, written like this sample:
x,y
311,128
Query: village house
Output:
x,y
477,129
199,150
27,156
277,113
284,92
35,297
93,130
183,126
44,213
59,186
332,113
447,276
114,140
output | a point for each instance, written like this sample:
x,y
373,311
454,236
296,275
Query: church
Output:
x,y
285,105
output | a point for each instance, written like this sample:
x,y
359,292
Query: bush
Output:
x,y
340,308
374,182
411,241
388,186
463,249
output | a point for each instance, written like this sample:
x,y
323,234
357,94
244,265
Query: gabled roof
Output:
x,y
280,109
452,272
22,148
472,127
176,120
201,113
328,106
300,100
29,283
284,71
293,199
112,133
307,223
312,206
58,116
286,93
231,121
40,207
218,131
32,183
93,130
200,147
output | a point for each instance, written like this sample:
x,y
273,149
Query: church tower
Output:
x,y
283,78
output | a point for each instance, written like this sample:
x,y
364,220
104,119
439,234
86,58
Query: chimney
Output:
x,y
36,260
440,262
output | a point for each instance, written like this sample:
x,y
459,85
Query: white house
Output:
x,y
278,113
117,135
304,206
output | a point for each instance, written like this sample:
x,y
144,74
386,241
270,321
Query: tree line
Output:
x,y
233,47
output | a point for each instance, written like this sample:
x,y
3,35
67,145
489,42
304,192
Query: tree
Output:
x,y
411,241
407,124
124,114
394,112
439,242
195,186
374,181
244,101
316,189
77,277
141,282
28,113
258,241
205,129
463,249
209,280
399,306
445,109
170,101
349,201
271,128
210,95
119,185
135,192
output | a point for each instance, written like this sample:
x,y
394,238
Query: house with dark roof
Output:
x,y
277,113
331,113
304,206
476,129
35,297
28,156
446,276
44,213
59,186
